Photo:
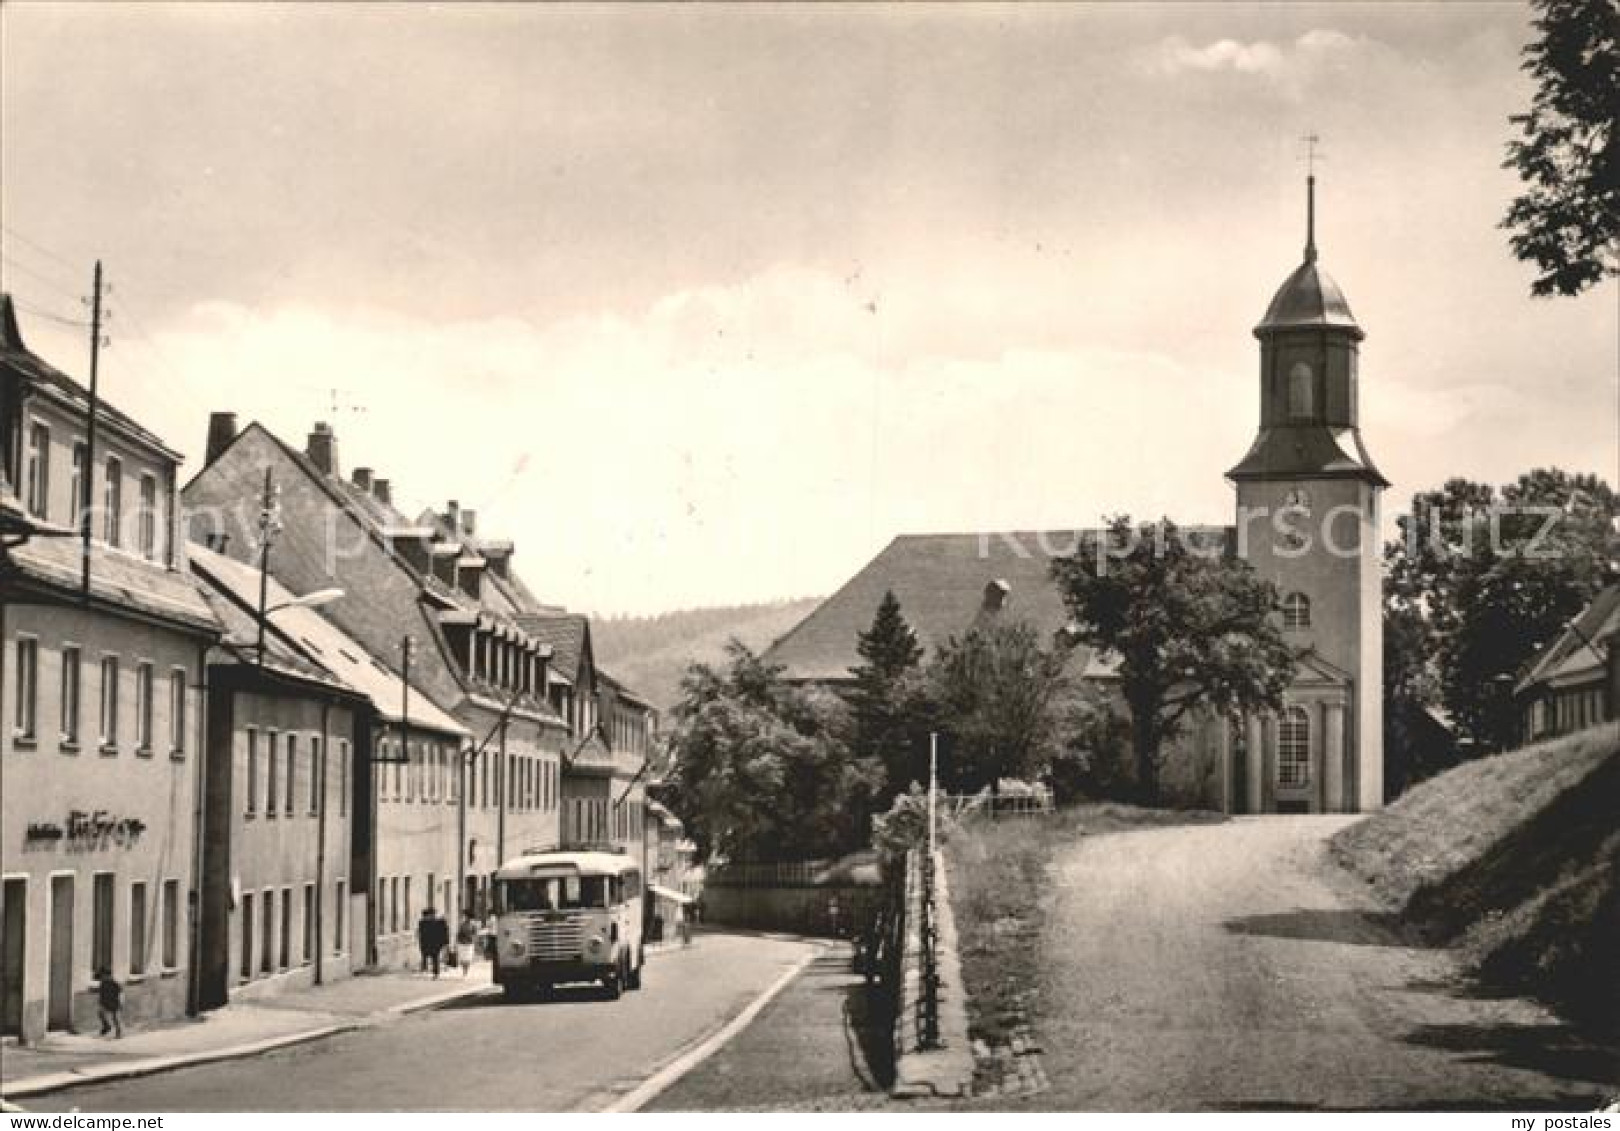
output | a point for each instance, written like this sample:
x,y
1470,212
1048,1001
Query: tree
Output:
x,y
1479,580
994,693
1192,629
759,771
885,698
1567,222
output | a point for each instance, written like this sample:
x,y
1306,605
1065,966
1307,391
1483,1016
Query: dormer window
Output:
x,y
1301,392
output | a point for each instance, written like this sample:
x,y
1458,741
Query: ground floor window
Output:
x,y
1294,748
267,944
247,936
171,924
340,905
137,928
286,928
309,924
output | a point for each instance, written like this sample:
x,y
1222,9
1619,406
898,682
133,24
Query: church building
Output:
x,y
1307,519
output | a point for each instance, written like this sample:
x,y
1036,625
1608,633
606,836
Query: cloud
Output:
x,y
1289,64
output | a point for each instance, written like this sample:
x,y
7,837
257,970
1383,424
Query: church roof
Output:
x,y
945,584
1308,299
1315,451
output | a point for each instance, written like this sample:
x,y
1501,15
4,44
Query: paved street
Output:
x,y
1227,966
575,1053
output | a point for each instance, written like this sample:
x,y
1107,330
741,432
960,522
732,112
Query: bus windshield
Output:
x,y
557,893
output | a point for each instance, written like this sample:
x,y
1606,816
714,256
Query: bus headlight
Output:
x,y
597,942
515,944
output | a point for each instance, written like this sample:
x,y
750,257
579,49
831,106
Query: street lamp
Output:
x,y
308,601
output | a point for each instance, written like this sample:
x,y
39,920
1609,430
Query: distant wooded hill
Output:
x,y
652,653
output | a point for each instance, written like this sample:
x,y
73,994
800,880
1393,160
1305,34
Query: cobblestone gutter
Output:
x,y
932,1054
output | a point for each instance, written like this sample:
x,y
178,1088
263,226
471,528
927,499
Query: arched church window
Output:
x,y
1294,748
1301,392
1296,611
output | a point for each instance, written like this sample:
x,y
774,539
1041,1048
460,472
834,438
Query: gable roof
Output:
x,y
569,635
59,387
940,581
1571,658
318,642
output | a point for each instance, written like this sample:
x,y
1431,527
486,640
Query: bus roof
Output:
x,y
587,862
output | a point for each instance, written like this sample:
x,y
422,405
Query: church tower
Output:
x,y
1308,521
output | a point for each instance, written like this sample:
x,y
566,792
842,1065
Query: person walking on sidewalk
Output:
x,y
466,936
109,1003
432,936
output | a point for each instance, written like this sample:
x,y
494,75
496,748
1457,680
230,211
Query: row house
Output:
x,y
101,708
431,603
674,877
295,894
1574,681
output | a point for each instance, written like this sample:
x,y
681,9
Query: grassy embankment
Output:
x,y
1000,895
1515,860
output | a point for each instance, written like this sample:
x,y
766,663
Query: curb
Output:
x,y
106,1073
670,1074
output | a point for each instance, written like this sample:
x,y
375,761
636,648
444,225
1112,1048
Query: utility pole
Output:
x,y
267,523
87,480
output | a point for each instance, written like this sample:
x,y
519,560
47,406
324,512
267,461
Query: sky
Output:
x,y
704,304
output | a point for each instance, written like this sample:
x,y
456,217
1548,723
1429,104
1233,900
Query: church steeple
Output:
x,y
1309,357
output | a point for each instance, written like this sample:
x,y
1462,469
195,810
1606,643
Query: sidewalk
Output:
x,y
236,1030
814,1048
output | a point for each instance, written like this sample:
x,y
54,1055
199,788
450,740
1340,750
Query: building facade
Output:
x,y
101,747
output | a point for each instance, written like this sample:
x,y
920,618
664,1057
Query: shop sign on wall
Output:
x,y
85,831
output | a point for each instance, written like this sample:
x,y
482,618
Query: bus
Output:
x,y
568,916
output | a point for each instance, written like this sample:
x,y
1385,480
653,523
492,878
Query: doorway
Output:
x,y
59,1008
13,948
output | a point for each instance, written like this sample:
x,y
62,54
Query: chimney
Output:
x,y
995,595
469,523
452,517
362,479
322,448
221,431
383,492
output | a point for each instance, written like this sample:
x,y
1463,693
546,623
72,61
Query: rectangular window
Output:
x,y
292,774
171,924
247,936
79,503
314,775
408,919
101,933
147,519
393,904
343,778
112,503
137,928
267,941
143,708
71,664
109,703
252,805
27,686
273,777
177,713
309,924
39,470
340,906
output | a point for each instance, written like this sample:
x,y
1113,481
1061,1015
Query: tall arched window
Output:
x,y
1301,392
1294,748
1296,611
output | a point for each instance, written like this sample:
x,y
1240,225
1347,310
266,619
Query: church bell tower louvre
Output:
x,y
1308,497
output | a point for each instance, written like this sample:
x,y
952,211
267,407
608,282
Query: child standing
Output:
x,y
110,1002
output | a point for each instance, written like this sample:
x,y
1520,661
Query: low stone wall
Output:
x,y
937,1063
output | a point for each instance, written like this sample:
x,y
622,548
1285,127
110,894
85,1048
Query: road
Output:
x,y
575,1053
1231,966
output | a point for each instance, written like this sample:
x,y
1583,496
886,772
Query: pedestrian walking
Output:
x,y
466,936
110,1003
432,936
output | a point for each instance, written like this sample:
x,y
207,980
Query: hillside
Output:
x,y
1516,860
652,653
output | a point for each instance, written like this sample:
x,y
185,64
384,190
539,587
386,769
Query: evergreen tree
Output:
x,y
884,700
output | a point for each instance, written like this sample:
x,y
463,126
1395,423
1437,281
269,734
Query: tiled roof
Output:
x,y
119,579
324,643
567,633
941,582
15,355
1571,656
